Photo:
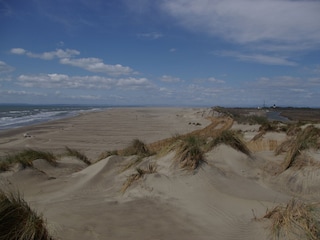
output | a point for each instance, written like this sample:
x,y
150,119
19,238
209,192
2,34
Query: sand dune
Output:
x,y
219,200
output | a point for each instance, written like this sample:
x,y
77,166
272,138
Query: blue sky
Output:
x,y
164,52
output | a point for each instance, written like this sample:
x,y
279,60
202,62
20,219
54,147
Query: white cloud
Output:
x,y
64,81
214,80
276,22
86,97
58,53
258,58
170,79
22,93
5,68
55,80
97,65
66,58
18,51
150,35
281,81
133,82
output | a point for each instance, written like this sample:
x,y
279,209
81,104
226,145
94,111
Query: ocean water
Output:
x,y
14,116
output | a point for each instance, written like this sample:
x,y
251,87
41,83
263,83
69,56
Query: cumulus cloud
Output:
x,y
170,79
55,80
150,35
97,65
22,93
58,53
276,23
86,97
215,80
67,58
281,81
258,58
5,68
133,82
18,51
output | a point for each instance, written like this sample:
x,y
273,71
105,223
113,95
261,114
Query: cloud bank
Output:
x,y
273,24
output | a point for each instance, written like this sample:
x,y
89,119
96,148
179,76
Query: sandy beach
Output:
x,y
225,198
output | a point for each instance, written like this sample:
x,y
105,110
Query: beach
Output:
x,y
224,198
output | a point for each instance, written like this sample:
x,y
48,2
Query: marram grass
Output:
x,y
77,154
294,219
18,221
25,158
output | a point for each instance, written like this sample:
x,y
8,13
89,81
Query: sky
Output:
x,y
232,53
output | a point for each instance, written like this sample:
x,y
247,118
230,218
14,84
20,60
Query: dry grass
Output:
x,y
308,138
232,139
137,147
132,163
106,154
77,154
140,172
189,153
25,158
294,219
18,221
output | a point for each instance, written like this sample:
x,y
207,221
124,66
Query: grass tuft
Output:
x,y
137,147
295,218
106,154
25,158
232,139
140,172
77,154
189,154
18,220
307,138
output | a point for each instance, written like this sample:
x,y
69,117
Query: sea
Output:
x,y
19,115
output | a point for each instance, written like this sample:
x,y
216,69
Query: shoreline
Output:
x,y
95,132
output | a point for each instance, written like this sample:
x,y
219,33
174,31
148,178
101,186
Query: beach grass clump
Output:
x,y
137,147
18,220
306,139
132,163
26,157
250,119
140,172
232,139
78,155
106,154
189,152
294,219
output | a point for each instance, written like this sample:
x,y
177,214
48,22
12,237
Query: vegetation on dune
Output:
x,y
25,158
77,154
231,138
18,220
307,138
189,153
140,172
106,154
137,147
294,219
